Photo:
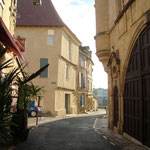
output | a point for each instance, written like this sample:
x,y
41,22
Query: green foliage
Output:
x,y
8,121
102,96
96,91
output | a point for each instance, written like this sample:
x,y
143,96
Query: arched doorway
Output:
x,y
137,90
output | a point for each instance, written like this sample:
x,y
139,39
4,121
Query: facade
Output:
x,y
85,88
123,44
49,40
7,26
8,14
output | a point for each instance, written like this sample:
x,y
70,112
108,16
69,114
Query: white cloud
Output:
x,y
79,16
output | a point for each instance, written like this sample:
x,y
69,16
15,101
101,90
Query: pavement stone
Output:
x,y
101,127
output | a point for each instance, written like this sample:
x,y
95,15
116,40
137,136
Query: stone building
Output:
x,y
49,40
85,87
123,46
7,27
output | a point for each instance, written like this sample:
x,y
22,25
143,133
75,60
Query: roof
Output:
x,y
42,15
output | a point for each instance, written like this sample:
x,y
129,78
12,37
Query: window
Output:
x,y
80,79
51,34
88,85
37,2
2,3
69,50
15,2
81,61
43,62
1,8
85,79
67,71
50,40
85,63
81,100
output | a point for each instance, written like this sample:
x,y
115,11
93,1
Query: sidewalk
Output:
x,y
101,127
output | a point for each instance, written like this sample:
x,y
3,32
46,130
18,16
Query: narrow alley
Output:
x,y
69,133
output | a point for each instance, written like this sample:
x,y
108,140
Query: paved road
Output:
x,y
67,134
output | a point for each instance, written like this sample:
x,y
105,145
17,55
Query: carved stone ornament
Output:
x,y
114,63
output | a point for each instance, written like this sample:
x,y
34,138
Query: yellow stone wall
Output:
x,y
8,15
56,85
118,35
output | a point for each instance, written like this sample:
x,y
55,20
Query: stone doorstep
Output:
x,y
116,138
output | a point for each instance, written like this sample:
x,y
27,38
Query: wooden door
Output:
x,y
66,103
137,90
145,67
115,106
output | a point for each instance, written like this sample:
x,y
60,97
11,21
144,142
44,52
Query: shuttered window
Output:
x,y
43,62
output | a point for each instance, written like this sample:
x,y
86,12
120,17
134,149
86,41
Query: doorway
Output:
x,y
67,103
137,90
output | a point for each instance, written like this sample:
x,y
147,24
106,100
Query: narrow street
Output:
x,y
67,134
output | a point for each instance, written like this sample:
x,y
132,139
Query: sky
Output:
x,y
79,16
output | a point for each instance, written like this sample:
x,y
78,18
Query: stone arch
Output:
x,y
142,25
136,96
134,38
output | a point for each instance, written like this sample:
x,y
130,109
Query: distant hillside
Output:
x,y
102,96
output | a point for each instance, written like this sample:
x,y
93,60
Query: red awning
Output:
x,y
8,41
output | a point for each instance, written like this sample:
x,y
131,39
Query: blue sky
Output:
x,y
81,2
79,16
